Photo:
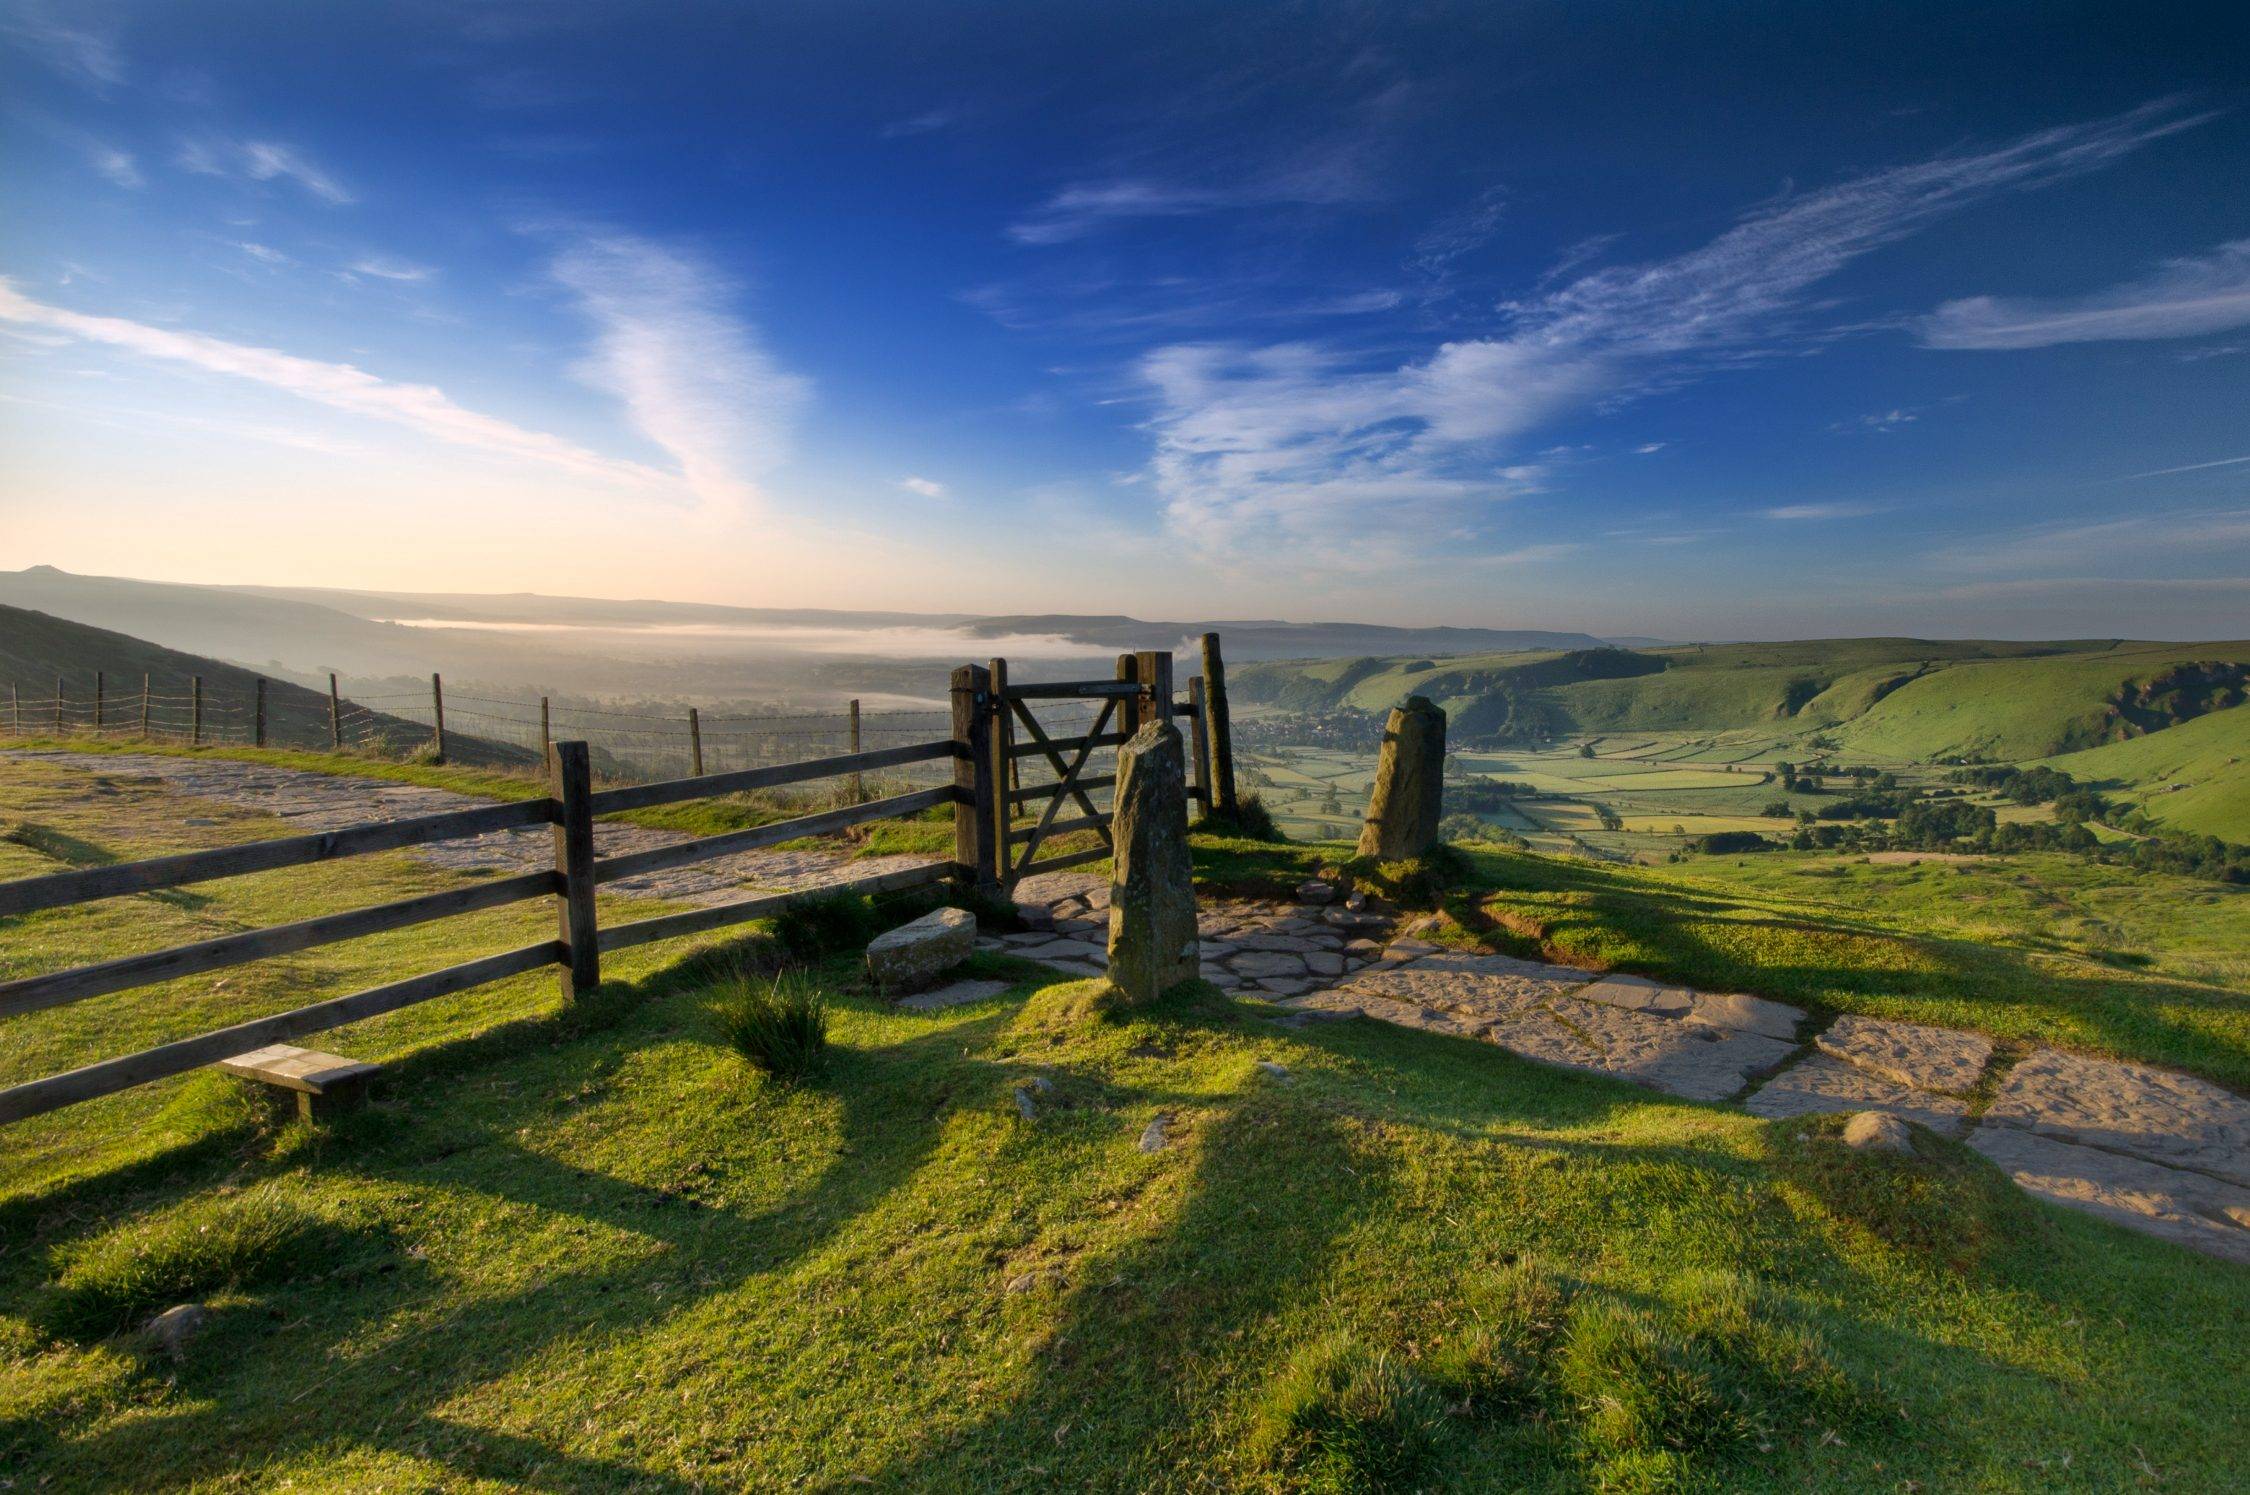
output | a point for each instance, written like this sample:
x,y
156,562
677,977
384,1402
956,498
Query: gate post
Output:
x,y
1199,745
973,860
1153,668
570,779
1222,727
1129,707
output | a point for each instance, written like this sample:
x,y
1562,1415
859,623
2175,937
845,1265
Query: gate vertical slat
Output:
x,y
1003,766
972,775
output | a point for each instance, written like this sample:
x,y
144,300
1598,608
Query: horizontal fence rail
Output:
x,y
1003,814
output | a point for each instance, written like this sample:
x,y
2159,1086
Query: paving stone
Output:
x,y
2173,1119
1878,1131
1284,943
2193,1209
1324,963
1386,1010
1945,1059
1639,994
954,995
1267,963
1822,1085
1745,1014
1283,986
1488,986
1066,950
1687,1058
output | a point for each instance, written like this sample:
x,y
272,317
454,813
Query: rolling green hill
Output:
x,y
36,650
2195,776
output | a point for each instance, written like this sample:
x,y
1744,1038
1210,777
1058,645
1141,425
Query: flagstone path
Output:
x,y
2163,1153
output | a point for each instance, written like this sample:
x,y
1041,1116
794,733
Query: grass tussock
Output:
x,y
1250,820
1343,1417
226,1243
1942,1202
779,1023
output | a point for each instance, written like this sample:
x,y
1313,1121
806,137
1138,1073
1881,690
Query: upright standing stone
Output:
x,y
1152,891
1403,812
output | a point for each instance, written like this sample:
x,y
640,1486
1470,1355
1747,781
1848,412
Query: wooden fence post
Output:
x,y
258,715
570,779
15,708
1153,668
58,705
195,711
695,740
1199,744
144,708
546,731
100,689
1003,773
1129,707
1222,725
335,716
858,783
437,714
972,778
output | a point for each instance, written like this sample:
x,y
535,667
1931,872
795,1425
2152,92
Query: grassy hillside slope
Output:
x,y
36,647
594,1249
2195,776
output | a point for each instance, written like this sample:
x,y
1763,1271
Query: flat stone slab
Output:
x,y
1679,1057
1639,994
915,954
955,994
2192,1209
1823,1084
1943,1059
1487,986
1338,1003
1746,1014
1066,950
2172,1119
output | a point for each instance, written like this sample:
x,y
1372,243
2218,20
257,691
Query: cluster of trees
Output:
x,y
1485,796
1331,729
2026,786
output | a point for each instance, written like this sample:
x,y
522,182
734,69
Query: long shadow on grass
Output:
x,y
893,1100
1681,934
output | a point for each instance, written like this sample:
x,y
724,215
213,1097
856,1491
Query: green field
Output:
x,y
592,1248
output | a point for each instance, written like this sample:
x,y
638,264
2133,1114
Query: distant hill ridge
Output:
x,y
1891,697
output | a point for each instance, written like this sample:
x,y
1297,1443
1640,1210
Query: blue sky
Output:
x,y
1737,320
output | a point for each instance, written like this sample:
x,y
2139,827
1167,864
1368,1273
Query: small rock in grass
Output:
x,y
1152,1136
1278,1071
171,1330
1878,1131
1315,892
1029,1111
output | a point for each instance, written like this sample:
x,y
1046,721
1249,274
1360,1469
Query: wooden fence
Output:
x,y
989,808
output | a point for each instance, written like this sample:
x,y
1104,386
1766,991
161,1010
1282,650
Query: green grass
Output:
x,y
2195,776
596,1247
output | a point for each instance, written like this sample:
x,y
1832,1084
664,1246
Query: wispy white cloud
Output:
x,y
382,267
72,48
1330,173
2168,540
339,386
1247,436
1819,511
1879,421
262,161
927,487
2182,298
117,167
1650,448
2165,472
694,377
929,122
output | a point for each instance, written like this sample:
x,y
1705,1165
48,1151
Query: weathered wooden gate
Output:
x,y
1004,820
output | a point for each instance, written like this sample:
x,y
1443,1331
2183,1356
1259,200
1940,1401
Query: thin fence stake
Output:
x,y
58,705
335,716
195,711
258,715
546,737
100,689
695,739
437,714
15,708
859,788
144,708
